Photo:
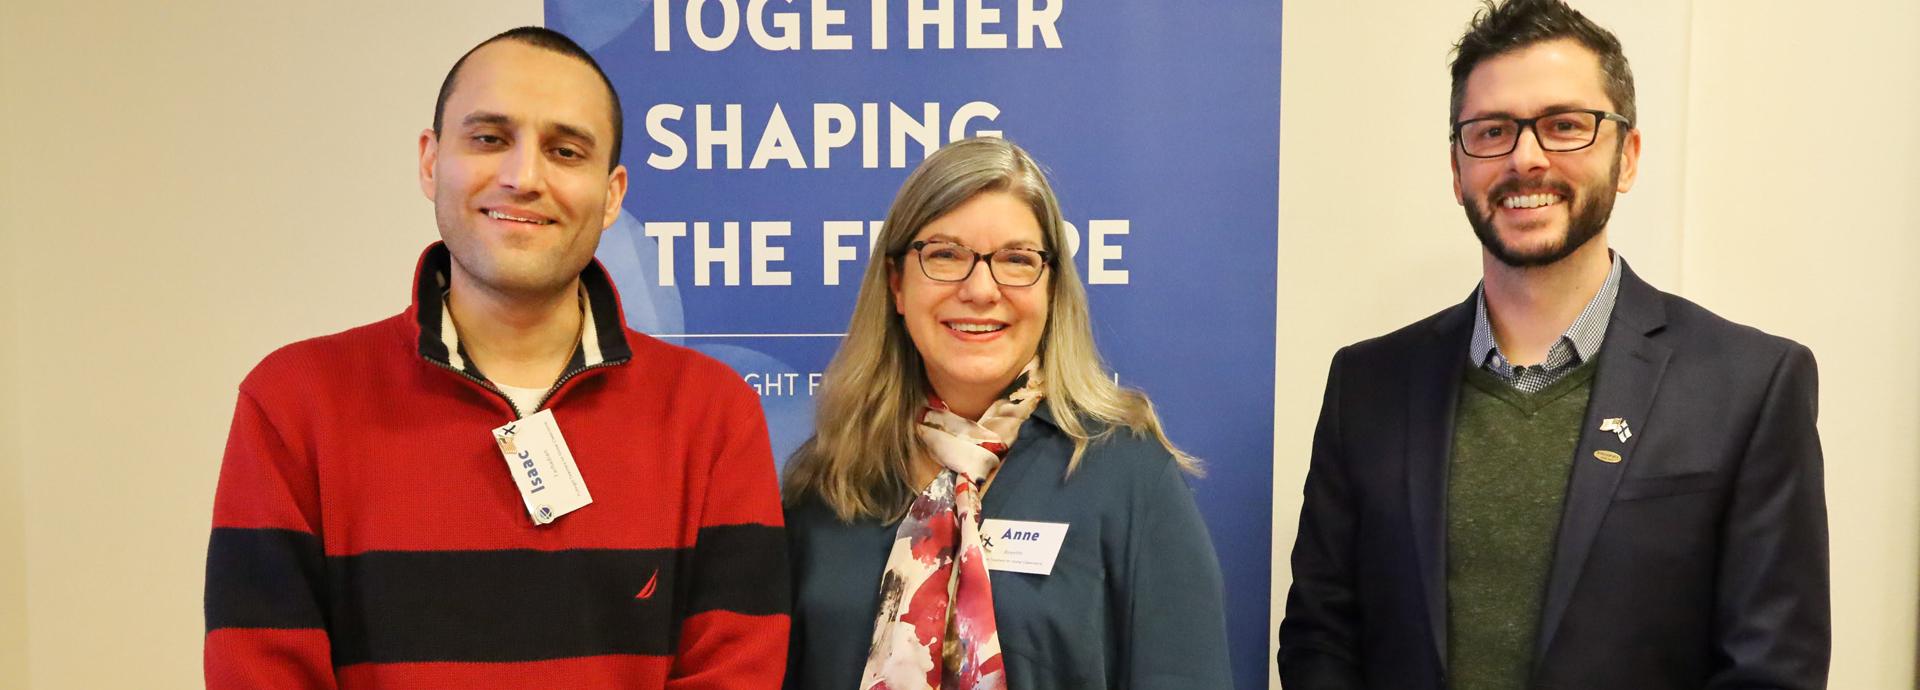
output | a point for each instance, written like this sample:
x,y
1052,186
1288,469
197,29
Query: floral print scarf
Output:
x,y
935,593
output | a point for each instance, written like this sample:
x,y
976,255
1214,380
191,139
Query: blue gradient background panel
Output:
x,y
1162,115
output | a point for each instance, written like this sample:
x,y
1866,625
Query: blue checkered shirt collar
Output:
x,y
1579,344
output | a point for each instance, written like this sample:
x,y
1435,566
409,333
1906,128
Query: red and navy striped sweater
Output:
x,y
366,532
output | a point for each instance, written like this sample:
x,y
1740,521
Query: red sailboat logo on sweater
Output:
x,y
652,583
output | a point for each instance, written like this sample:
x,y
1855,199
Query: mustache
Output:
x,y
1530,186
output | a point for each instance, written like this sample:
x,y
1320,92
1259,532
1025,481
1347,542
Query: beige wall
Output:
x,y
13,552
189,185
1803,218
1777,187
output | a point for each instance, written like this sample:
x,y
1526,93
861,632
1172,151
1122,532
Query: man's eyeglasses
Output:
x,y
1572,130
948,262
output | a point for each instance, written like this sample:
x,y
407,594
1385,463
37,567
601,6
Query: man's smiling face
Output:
x,y
1533,207
519,173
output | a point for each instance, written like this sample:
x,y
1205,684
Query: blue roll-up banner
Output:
x,y
765,140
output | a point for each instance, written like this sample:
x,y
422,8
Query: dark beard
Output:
x,y
1584,222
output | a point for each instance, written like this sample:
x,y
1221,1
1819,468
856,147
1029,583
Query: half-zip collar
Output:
x,y
603,335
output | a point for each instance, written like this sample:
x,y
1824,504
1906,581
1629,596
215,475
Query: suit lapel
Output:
x,y
1630,366
1433,391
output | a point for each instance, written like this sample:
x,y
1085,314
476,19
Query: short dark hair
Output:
x,y
538,37
1503,27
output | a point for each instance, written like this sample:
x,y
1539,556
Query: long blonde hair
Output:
x,y
859,459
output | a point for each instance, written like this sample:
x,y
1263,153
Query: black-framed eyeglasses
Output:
x,y
948,262
1568,130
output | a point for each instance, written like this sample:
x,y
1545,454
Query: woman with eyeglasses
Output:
x,y
981,507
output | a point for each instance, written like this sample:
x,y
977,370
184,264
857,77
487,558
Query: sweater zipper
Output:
x,y
569,377
543,399
483,384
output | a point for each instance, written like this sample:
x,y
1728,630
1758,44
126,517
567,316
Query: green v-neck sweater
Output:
x,y
1507,481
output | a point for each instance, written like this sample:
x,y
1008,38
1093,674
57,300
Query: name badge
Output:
x,y
1022,547
537,457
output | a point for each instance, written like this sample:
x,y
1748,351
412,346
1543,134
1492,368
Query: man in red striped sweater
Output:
x,y
502,486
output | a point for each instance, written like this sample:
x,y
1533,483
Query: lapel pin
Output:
x,y
1606,456
1617,425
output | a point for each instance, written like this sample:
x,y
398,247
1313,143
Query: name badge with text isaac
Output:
x,y
542,467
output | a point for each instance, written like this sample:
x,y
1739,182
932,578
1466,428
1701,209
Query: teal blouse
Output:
x,y
1134,599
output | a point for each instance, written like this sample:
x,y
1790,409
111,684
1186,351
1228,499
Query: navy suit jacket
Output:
x,y
1698,560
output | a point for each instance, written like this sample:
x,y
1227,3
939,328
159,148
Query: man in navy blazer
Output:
x,y
1571,479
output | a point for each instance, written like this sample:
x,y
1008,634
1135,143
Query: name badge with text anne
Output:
x,y
542,467
1022,547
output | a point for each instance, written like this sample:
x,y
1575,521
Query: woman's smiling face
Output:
x,y
974,335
